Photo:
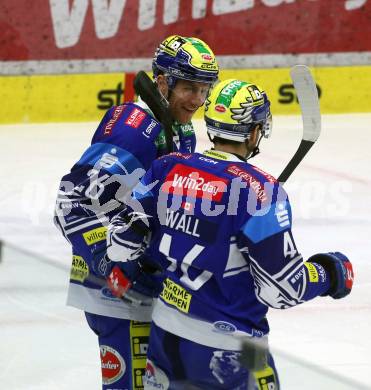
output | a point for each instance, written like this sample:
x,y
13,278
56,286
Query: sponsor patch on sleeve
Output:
x,y
135,118
312,272
252,181
93,236
269,177
115,117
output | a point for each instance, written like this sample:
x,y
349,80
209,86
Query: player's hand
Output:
x,y
340,271
100,263
141,275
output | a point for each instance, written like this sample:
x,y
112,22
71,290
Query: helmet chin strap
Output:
x,y
165,99
256,149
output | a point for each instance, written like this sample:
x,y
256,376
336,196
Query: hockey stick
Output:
x,y
146,89
131,296
306,91
253,355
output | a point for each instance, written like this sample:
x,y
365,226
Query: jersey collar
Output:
x,y
217,154
141,103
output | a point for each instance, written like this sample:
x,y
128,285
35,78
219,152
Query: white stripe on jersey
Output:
x,y
85,225
198,331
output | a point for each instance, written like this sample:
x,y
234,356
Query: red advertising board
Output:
x,y
119,29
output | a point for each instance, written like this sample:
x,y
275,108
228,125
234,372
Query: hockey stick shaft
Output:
x,y
130,297
146,89
306,90
295,160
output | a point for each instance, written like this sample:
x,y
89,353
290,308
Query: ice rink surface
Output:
x,y
46,345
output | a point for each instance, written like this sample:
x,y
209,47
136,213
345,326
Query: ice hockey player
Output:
x,y
221,231
125,143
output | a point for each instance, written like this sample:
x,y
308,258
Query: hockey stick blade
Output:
x,y
146,89
306,91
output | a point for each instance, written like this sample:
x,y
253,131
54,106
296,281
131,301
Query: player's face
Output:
x,y
186,98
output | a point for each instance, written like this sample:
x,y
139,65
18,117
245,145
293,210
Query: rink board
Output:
x,y
85,97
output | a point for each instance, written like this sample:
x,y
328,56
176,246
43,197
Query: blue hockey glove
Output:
x,y
340,271
141,274
99,263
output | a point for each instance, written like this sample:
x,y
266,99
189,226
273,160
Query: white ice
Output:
x,y
46,345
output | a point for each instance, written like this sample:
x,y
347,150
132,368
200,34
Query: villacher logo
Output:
x,y
113,365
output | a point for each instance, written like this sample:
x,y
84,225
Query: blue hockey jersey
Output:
x,y
123,147
221,230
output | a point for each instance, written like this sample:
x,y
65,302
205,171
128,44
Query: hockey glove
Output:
x,y
141,275
99,263
340,272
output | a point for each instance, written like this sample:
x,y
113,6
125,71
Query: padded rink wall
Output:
x,y
85,97
71,60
